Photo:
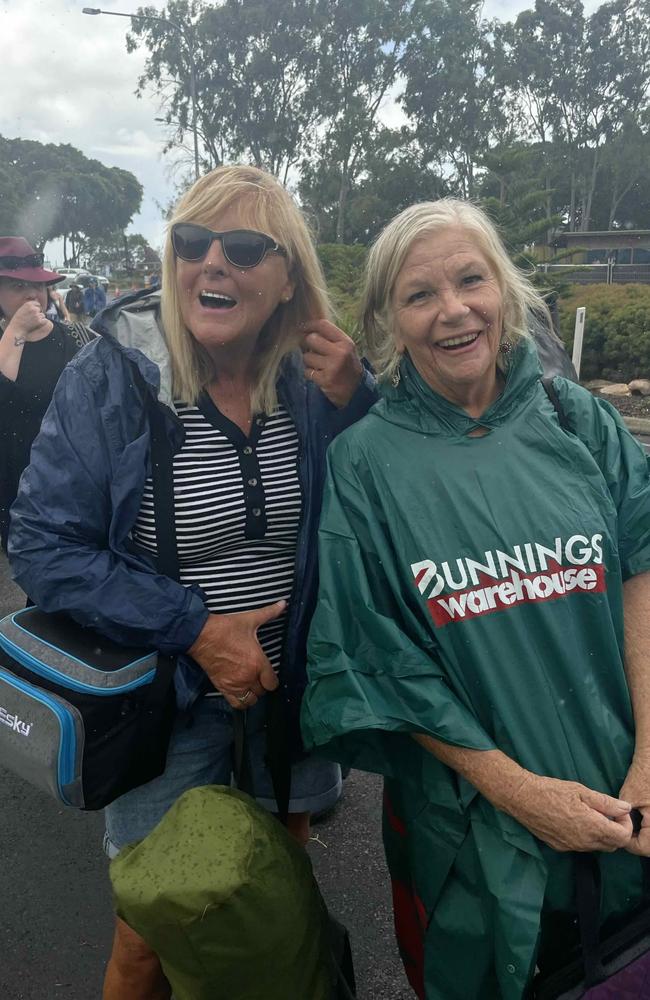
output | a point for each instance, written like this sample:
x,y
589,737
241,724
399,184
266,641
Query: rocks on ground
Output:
x,y
631,399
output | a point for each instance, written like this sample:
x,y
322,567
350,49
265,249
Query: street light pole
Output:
x,y
177,26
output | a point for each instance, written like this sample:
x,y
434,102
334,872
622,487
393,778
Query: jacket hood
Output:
x,y
414,405
133,321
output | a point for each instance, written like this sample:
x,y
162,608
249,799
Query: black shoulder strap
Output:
x,y
162,474
587,877
551,392
277,752
157,718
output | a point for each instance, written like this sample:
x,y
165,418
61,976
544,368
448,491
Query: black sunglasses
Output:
x,y
241,247
15,263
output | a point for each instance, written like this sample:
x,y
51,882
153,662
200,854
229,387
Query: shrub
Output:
x,y
617,330
343,267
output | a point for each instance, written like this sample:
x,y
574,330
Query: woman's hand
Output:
x,y
331,361
29,322
227,648
569,816
636,790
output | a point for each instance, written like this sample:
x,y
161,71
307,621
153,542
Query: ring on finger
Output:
x,y
243,698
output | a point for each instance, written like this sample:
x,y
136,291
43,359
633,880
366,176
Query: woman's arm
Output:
x,y
564,814
28,323
636,609
59,544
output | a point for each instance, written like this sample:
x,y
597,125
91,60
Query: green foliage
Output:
x,y
617,329
124,253
548,113
343,267
47,191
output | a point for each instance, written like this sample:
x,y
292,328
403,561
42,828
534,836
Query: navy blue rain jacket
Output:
x,y
70,543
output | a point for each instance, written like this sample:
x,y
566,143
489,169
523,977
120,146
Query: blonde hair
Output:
x,y
265,206
522,304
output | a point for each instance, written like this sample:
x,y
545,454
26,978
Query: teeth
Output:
x,y
216,297
467,338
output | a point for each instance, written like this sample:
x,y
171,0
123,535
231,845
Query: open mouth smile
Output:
x,y
216,300
456,343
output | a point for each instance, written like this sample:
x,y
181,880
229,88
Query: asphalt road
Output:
x,y
55,907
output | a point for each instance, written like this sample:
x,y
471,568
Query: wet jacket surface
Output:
x,y
70,543
471,589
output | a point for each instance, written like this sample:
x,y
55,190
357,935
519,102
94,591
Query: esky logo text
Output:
x,y
14,723
465,588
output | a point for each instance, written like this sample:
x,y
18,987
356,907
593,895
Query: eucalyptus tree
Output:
x,y
254,64
361,49
49,191
452,95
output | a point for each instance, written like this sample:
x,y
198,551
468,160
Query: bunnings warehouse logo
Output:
x,y
463,588
14,723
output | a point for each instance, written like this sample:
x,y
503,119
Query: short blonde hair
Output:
x,y
268,207
522,304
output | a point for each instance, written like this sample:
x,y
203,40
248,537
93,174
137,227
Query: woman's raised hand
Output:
x,y
29,322
228,650
569,816
331,361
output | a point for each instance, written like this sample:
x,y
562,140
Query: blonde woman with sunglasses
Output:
x,y
254,380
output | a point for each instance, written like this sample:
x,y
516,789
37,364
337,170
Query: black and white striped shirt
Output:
x,y
237,502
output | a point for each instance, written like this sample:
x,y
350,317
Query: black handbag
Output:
x,y
613,967
81,717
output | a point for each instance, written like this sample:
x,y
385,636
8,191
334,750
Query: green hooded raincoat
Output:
x,y
471,589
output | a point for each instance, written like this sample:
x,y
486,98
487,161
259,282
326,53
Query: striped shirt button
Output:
x,y
248,450
256,512
252,482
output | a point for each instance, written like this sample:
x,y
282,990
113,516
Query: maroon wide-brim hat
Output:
x,y
19,260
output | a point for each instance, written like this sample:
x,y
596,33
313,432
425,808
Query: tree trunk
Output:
x,y
572,208
590,193
65,250
343,201
547,186
613,205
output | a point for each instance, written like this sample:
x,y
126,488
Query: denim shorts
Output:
x,y
200,754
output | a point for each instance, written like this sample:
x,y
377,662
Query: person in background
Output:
x,y
94,298
250,418
75,304
482,632
33,352
56,307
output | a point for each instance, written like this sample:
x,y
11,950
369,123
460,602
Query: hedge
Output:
x,y
343,267
617,330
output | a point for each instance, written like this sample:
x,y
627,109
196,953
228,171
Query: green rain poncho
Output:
x,y
471,589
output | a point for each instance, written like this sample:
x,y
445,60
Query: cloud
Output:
x,y
74,82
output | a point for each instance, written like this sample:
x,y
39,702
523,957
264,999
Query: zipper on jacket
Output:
x,y
301,548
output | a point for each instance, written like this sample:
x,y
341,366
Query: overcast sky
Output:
x,y
66,77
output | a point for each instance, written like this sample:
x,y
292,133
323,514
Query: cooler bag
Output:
x,y
228,901
81,717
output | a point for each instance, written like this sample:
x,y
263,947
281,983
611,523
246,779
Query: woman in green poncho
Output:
x,y
482,635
